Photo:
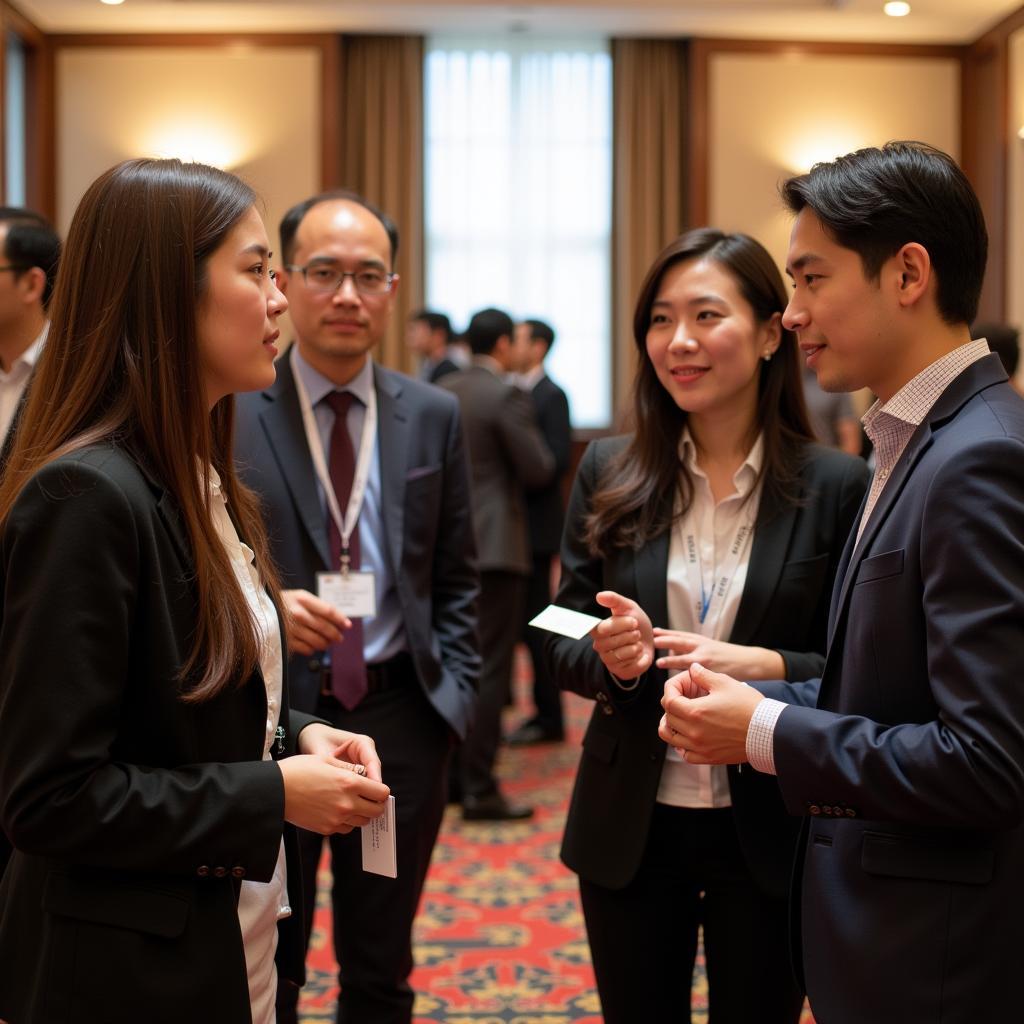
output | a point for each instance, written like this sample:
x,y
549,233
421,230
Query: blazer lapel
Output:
x,y
393,447
774,524
282,422
650,567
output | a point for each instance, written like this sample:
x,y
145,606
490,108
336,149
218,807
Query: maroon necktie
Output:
x,y
348,667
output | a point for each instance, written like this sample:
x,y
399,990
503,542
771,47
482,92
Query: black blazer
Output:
x,y
134,816
793,561
545,509
425,504
910,771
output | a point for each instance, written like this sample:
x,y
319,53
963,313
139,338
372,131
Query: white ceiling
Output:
x,y
932,21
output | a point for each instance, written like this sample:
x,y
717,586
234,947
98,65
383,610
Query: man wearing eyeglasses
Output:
x,y
363,477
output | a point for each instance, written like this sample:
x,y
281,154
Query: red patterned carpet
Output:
x,y
499,938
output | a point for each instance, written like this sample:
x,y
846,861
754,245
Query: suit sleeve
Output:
x,y
965,766
521,440
456,580
850,490
71,563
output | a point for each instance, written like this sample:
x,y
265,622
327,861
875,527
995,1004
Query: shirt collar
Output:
x,y
318,386
29,357
912,403
744,478
528,381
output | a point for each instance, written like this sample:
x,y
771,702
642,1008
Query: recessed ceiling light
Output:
x,y
112,3
896,9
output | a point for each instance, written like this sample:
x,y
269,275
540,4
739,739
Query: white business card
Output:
x,y
565,621
379,843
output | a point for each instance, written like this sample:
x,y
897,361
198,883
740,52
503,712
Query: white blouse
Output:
x,y
708,555
260,904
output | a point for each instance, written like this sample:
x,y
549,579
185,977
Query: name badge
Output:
x,y
354,594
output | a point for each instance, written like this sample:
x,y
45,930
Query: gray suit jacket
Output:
x,y
507,457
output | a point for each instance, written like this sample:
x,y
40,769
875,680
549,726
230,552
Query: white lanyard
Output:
x,y
362,472
710,599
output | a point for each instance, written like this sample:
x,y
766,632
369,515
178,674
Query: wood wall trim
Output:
x,y
815,48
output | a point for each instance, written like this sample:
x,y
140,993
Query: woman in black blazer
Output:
x,y
144,781
722,519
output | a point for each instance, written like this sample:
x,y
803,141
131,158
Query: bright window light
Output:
x,y
896,9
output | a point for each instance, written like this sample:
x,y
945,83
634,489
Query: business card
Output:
x,y
565,621
379,855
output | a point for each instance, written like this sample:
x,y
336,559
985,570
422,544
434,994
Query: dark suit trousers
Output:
x,y
373,915
643,938
501,609
546,696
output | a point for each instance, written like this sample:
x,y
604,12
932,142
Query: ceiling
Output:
x,y
932,21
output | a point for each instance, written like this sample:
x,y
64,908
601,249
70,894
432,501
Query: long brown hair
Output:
x,y
121,366
630,505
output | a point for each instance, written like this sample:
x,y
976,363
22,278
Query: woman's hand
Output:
x,y
625,641
311,623
686,649
352,747
324,795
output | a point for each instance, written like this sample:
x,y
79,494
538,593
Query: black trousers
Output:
x,y
501,611
643,938
546,696
373,915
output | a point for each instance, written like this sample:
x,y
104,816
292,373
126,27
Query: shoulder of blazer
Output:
x,y
821,464
114,463
411,390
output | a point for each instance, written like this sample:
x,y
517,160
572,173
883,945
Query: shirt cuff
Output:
x,y
761,735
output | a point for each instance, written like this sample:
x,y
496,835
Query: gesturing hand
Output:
x,y
625,640
682,649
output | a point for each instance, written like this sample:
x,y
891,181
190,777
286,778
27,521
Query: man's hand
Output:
x,y
312,624
353,747
685,649
625,641
707,716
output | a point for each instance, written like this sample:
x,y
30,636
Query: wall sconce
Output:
x,y
192,140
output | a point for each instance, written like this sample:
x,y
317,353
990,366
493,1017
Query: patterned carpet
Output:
x,y
499,938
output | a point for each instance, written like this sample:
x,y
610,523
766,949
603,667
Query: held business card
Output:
x,y
379,843
565,621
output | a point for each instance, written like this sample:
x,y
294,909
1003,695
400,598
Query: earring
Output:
x,y
767,357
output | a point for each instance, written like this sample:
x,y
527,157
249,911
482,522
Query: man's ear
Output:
x,y
32,284
913,266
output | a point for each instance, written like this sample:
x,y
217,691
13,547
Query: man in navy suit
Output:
x,y
906,758
406,671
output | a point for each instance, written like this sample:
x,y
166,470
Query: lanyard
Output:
x,y
362,472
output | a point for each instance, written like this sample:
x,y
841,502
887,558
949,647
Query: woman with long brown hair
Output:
x,y
144,777
720,522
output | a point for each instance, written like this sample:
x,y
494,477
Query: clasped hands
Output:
x,y
707,713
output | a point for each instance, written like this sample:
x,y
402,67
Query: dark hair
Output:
x,y
1004,340
290,222
122,366
875,201
540,331
485,329
435,321
630,505
31,242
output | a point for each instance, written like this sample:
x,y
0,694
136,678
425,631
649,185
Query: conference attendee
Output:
x,y
831,414
720,522
507,456
430,335
904,756
1004,340
145,771
29,254
545,511
364,469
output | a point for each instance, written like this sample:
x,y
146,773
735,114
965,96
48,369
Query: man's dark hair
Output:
x,y
31,242
540,331
435,321
875,201
293,218
1004,340
485,329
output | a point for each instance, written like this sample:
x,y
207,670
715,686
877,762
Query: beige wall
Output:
x,y
253,111
773,115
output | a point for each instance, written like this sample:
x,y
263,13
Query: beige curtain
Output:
x,y
381,141
649,102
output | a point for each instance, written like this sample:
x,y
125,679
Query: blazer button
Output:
x,y
601,696
219,871
814,809
608,709
203,870
238,872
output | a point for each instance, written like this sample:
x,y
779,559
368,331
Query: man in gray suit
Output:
x,y
507,456
403,665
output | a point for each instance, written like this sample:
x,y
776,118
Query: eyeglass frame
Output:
x,y
22,267
389,276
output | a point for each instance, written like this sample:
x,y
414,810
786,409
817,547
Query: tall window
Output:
x,y
14,119
518,196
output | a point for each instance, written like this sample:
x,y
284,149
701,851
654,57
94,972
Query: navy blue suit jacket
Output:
x,y
425,503
910,770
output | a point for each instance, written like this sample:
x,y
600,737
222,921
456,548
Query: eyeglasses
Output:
x,y
16,267
326,277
